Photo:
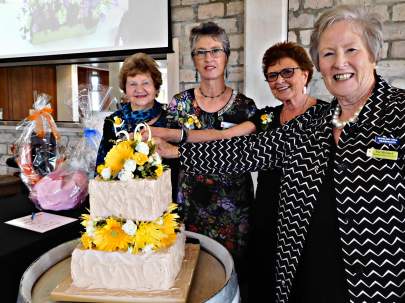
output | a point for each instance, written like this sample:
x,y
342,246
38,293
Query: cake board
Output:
x,y
65,291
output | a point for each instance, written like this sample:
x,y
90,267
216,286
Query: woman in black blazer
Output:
x,y
341,220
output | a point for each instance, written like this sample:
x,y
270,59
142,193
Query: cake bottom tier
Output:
x,y
119,270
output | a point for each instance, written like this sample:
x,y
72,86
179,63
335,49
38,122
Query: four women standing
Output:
x,y
341,165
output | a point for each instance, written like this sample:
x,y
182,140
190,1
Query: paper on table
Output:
x,y
41,221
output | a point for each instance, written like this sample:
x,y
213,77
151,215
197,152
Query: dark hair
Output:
x,y
288,50
140,63
214,31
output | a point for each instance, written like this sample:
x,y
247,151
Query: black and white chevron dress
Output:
x,y
370,192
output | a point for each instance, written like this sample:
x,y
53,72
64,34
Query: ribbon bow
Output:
x,y
38,117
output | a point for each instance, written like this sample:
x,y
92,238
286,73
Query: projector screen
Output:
x,y
66,31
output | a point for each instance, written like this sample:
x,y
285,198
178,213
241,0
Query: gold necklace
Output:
x,y
211,97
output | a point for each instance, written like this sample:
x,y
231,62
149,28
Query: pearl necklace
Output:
x,y
212,97
341,124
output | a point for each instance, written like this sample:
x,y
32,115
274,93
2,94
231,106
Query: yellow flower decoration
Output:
x,y
117,121
86,218
266,118
100,168
147,234
111,237
117,155
86,241
108,234
140,158
159,170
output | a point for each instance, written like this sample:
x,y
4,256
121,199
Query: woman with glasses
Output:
x,y
214,205
288,71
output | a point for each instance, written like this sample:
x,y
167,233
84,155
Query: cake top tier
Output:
x,y
131,158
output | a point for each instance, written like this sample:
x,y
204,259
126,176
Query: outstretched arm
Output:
x,y
203,135
236,155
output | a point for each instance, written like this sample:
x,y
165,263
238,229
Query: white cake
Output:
x,y
144,201
138,200
118,270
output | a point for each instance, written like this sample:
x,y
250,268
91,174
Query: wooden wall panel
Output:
x,y
4,100
44,81
17,86
20,91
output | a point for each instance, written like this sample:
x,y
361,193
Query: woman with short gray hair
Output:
x,y
369,24
213,30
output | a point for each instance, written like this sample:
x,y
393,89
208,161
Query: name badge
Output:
x,y
386,140
382,154
227,124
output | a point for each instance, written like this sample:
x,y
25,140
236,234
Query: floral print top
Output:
x,y
214,205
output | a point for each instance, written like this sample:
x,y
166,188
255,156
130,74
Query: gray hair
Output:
x,y
370,26
214,31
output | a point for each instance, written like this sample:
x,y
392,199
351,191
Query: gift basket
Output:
x,y
37,149
57,180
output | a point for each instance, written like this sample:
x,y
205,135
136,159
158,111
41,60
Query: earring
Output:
x,y
304,90
226,73
196,76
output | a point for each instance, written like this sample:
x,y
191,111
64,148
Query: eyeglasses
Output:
x,y
285,73
202,53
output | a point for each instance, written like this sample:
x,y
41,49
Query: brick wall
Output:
x,y
228,14
303,14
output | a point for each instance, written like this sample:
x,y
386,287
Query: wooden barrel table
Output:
x,y
214,279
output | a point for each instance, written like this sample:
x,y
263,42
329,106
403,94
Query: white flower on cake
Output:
x,y
130,165
125,175
155,159
130,228
148,249
90,228
143,148
106,173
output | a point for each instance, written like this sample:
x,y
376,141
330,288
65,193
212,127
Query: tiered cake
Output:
x,y
141,200
133,239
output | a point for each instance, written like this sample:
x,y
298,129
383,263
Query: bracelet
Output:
x,y
181,135
184,134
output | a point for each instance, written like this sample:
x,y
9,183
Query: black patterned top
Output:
x,y
369,183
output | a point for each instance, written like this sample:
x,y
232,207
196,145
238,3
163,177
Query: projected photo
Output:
x,y
46,21
55,27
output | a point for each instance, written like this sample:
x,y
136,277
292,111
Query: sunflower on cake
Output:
x,y
133,239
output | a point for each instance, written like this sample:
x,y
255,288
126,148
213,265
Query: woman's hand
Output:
x,y
165,149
